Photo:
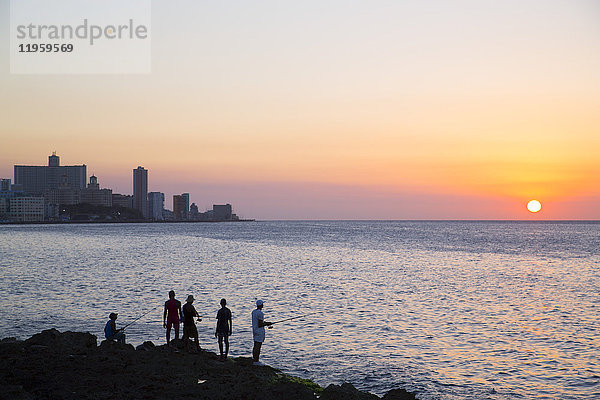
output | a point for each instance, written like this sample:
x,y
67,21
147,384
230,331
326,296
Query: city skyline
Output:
x,y
40,180
336,110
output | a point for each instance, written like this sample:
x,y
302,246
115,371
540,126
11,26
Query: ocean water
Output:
x,y
451,310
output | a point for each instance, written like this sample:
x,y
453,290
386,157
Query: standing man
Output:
x,y
172,316
110,329
224,328
258,330
189,326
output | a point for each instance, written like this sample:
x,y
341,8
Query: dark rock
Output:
x,y
110,346
69,366
399,394
146,346
60,341
48,337
14,392
345,392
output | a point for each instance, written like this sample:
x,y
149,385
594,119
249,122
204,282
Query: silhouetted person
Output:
x,y
258,330
224,328
110,330
189,326
172,316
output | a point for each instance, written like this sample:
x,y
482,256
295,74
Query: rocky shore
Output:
x,y
71,365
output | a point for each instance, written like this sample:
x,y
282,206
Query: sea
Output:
x,y
446,309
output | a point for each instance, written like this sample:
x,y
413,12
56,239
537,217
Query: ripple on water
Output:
x,y
450,310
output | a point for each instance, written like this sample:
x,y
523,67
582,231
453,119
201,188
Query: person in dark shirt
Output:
x,y
111,332
172,316
189,326
224,328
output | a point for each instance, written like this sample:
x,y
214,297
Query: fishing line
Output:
x,y
296,317
154,308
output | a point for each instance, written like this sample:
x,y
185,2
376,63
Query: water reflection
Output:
x,y
454,310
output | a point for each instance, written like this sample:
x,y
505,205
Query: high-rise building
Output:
x,y
156,206
37,180
140,190
181,206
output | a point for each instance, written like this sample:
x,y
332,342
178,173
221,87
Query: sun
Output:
x,y
534,206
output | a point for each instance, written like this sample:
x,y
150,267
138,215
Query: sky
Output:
x,y
336,109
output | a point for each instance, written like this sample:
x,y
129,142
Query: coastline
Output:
x,y
71,365
141,221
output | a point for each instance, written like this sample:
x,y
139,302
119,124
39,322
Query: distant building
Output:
x,y
181,206
122,200
222,212
26,209
168,215
52,212
36,180
156,206
194,214
96,196
7,192
140,190
4,208
64,194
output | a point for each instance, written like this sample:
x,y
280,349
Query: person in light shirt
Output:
x,y
258,330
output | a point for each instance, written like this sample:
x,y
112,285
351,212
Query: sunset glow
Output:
x,y
337,111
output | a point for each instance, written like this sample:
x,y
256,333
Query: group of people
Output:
x,y
174,314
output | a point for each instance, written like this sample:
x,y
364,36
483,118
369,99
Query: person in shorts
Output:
x,y
224,328
258,331
172,316
189,326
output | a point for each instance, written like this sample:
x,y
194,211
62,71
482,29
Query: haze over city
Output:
x,y
337,110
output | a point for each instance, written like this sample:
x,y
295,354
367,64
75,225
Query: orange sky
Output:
x,y
335,110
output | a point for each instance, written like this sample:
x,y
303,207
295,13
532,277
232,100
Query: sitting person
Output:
x,y
111,332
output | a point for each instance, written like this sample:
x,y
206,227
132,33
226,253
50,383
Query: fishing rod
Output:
x,y
140,317
149,311
291,318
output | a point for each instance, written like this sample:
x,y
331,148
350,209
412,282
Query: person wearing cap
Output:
x,y
110,329
189,326
172,316
258,330
224,328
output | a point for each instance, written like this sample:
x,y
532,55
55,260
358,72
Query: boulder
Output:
x,y
399,394
110,346
68,341
146,346
345,392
